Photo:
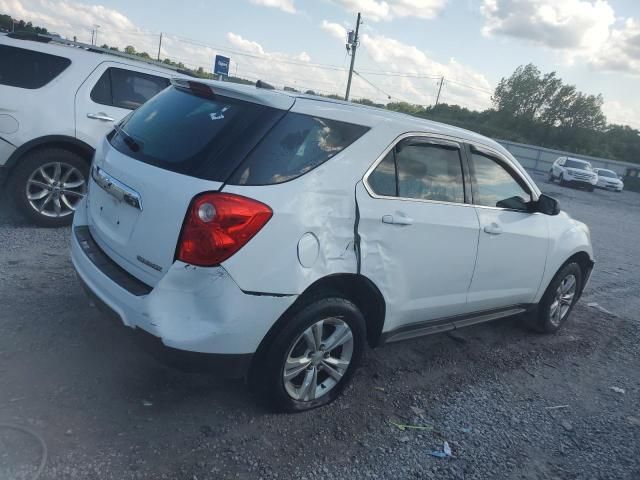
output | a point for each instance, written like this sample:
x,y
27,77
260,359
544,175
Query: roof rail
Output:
x,y
39,37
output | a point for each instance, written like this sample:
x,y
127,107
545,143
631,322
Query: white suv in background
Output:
x,y
279,234
572,171
57,100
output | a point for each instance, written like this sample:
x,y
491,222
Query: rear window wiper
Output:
x,y
129,141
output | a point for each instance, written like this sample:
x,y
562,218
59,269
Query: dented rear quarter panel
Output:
x,y
321,202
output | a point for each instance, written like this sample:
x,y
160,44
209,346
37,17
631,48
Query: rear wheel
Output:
x,y
551,178
311,360
48,184
558,300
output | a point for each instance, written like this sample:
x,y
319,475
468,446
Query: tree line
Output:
x,y
527,107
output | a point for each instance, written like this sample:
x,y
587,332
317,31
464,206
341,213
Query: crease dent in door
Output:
x,y
377,254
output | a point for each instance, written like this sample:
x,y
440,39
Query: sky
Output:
x,y
406,46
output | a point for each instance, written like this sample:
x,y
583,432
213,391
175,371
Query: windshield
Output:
x,y
578,164
607,173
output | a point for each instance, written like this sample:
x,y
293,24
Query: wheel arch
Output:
x,y
61,141
354,287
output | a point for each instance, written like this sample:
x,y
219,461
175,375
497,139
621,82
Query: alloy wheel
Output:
x,y
55,189
318,359
562,300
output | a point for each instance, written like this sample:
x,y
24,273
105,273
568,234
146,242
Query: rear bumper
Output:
x,y
190,309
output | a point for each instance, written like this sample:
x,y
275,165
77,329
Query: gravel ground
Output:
x,y
510,403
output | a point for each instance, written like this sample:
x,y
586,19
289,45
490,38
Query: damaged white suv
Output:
x,y
278,234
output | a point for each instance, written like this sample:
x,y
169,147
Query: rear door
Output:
x,y
418,236
111,92
513,242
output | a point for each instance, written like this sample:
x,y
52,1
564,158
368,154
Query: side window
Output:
x,y
494,186
24,68
383,179
122,88
429,172
295,145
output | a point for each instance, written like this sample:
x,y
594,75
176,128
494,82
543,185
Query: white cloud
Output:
x,y
245,45
284,5
622,113
335,29
621,52
463,85
377,10
569,24
585,30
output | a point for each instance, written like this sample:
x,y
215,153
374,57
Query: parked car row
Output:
x,y
580,173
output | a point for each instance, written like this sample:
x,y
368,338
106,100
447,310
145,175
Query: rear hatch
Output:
x,y
186,140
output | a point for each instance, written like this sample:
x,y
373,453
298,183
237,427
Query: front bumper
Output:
x,y
191,309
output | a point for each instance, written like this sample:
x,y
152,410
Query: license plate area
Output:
x,y
112,217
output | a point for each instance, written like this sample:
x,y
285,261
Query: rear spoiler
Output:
x,y
211,89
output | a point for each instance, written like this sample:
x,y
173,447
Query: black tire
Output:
x,y
266,375
551,178
541,320
31,163
561,179
590,188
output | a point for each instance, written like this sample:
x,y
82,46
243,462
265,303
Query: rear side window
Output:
x,y
192,135
122,88
24,68
296,145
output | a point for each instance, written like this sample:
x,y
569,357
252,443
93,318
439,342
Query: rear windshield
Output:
x,y
228,140
201,137
24,68
577,164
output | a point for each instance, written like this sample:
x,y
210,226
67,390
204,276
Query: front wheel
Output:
x,y
48,184
558,300
311,360
562,181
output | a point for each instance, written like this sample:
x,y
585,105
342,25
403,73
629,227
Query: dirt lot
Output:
x,y
511,404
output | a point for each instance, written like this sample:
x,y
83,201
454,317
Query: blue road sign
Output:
x,y
221,65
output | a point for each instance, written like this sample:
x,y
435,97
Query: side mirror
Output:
x,y
547,205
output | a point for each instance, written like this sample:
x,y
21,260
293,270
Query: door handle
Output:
x,y
100,116
493,229
397,220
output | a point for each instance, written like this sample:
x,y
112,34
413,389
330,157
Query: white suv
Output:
x,y
280,233
572,171
58,99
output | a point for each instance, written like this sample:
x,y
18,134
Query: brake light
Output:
x,y
217,225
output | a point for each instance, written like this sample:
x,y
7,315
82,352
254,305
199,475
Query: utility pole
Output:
x,y
352,44
439,90
95,40
159,46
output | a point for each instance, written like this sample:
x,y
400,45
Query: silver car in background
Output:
x,y
609,180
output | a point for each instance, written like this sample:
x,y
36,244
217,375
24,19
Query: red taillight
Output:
x,y
217,225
